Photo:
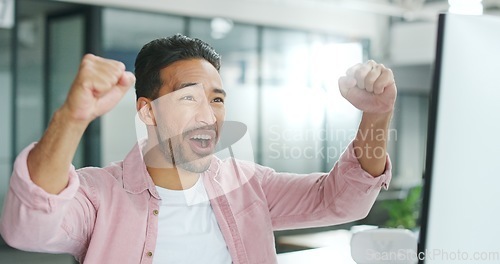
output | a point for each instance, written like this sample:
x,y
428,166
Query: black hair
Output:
x,y
160,53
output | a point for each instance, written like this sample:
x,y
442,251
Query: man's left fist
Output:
x,y
370,87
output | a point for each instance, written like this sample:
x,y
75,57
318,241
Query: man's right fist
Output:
x,y
98,87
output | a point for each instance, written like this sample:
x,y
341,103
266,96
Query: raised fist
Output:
x,y
97,88
370,87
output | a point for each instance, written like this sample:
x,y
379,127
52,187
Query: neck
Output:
x,y
173,178
165,174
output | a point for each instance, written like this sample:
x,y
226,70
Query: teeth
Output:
x,y
205,137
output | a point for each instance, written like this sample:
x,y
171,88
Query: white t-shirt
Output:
x,y
187,229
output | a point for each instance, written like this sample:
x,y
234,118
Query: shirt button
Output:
x,y
155,212
149,254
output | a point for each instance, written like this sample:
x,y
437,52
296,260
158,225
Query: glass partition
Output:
x,y
64,56
29,100
5,111
238,46
124,34
306,122
291,107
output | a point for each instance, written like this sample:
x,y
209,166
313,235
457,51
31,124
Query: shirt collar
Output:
x,y
136,178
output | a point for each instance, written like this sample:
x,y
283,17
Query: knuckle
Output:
x,y
113,76
88,61
116,70
371,63
390,72
373,76
88,56
384,73
353,69
120,65
359,75
86,83
85,63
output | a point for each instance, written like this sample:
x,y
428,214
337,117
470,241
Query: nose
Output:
x,y
205,113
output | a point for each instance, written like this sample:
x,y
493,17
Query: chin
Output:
x,y
198,166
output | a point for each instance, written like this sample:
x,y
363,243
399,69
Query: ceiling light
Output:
x,y
220,27
466,7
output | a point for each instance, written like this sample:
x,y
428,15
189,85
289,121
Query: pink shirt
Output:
x,y
109,215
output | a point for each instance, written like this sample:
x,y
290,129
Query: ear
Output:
x,y
145,111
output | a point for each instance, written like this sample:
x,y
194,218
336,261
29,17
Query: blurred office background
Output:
x,y
280,63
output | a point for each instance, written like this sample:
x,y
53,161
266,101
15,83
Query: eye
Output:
x,y
218,100
188,98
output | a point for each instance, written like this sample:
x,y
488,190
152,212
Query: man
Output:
x,y
171,200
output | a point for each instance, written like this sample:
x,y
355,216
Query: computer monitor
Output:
x,y
460,220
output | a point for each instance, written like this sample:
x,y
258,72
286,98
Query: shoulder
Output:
x,y
97,176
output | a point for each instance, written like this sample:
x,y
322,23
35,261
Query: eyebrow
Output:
x,y
184,85
188,84
221,91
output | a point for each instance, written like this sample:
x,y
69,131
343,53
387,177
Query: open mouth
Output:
x,y
202,141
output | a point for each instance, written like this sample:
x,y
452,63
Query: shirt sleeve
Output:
x,y
34,220
345,194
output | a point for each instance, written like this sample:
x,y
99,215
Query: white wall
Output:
x,y
413,43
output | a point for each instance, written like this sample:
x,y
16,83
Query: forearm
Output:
x,y
346,194
370,144
49,161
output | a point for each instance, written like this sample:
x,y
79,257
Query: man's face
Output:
x,y
189,113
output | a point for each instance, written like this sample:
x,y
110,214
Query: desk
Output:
x,y
325,255
331,247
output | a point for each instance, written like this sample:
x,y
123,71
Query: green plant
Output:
x,y
404,213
